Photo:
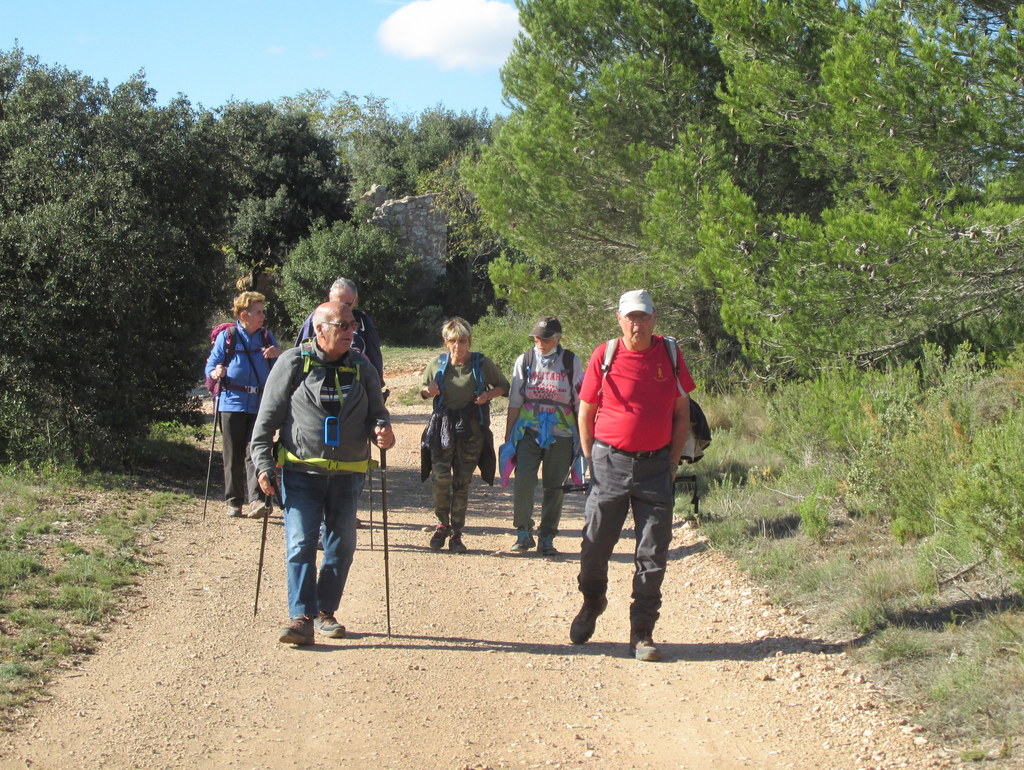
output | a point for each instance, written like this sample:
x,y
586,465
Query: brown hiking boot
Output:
x,y
329,626
299,631
258,509
455,544
585,622
642,645
438,538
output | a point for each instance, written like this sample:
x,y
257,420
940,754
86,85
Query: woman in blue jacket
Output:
x,y
240,362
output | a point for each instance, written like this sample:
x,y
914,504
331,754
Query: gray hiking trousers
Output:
x,y
621,481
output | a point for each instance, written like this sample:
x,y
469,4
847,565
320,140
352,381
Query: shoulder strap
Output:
x,y
477,361
609,353
442,365
230,344
527,368
673,355
568,360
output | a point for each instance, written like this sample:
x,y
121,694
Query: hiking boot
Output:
x,y
235,512
524,541
546,546
328,625
258,509
438,538
299,631
642,645
455,544
585,622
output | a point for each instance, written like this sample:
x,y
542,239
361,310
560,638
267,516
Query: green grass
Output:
x,y
399,362
834,505
70,545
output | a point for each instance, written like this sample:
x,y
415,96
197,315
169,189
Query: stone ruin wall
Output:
x,y
420,228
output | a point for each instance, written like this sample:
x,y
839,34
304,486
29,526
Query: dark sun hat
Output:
x,y
547,326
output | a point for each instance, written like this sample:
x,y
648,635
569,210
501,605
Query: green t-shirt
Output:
x,y
459,385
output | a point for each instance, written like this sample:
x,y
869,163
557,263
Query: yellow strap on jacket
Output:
x,y
284,457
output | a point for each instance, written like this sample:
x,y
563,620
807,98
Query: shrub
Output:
x,y
986,499
393,284
503,338
109,207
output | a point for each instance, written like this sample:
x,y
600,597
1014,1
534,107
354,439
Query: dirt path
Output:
x,y
478,673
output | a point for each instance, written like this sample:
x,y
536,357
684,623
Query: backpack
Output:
x,y
308,363
700,432
567,365
230,343
230,346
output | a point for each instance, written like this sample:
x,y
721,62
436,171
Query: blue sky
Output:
x,y
414,53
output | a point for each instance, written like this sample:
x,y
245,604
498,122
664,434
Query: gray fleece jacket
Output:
x,y
299,414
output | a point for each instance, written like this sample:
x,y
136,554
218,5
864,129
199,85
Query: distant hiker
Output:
x,y
240,363
541,432
634,419
366,339
458,437
325,399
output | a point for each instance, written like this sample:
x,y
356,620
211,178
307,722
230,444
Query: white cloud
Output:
x,y
455,34
275,50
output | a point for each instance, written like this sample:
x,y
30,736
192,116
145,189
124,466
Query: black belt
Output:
x,y
645,455
243,388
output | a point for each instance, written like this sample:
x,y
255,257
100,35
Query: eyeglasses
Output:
x,y
343,325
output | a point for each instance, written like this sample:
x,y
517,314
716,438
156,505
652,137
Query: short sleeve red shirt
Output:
x,y
636,401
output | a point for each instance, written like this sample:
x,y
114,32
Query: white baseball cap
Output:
x,y
636,301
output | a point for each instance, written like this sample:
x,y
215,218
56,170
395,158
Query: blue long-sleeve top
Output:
x,y
247,368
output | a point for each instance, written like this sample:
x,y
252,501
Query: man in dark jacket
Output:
x,y
366,339
325,399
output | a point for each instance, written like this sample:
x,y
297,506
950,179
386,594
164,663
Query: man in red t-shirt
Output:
x,y
634,419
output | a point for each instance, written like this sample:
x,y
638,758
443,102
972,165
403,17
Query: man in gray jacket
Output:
x,y
325,399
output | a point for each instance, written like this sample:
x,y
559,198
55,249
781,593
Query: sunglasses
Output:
x,y
343,325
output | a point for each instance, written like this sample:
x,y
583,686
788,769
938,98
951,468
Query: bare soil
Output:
x,y
478,671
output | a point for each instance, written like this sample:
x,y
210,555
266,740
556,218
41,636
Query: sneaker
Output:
x,y
643,647
299,631
258,509
585,622
546,546
437,540
328,625
235,512
524,541
455,544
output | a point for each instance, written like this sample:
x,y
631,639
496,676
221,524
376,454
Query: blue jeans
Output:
x,y
312,499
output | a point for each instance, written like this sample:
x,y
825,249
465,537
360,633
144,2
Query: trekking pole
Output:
x,y
369,483
263,545
384,524
213,441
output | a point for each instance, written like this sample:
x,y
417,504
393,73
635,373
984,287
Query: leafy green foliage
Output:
x,y
377,147
603,94
283,178
393,286
906,109
987,495
109,211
